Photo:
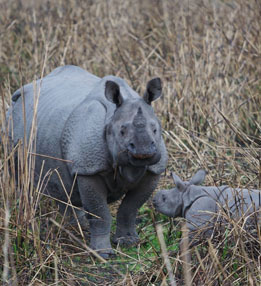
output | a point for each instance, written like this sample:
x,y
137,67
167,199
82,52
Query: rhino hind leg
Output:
x,y
93,194
126,217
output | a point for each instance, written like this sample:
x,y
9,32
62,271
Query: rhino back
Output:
x,y
60,92
241,200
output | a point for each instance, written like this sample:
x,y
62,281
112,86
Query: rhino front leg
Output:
x,y
126,218
93,194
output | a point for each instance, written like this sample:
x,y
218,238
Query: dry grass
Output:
x,y
208,54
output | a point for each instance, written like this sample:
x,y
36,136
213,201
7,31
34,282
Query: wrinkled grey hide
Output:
x,y
111,136
198,203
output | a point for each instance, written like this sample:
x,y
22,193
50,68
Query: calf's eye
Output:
x,y
163,198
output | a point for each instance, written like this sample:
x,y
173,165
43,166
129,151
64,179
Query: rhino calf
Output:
x,y
200,204
108,138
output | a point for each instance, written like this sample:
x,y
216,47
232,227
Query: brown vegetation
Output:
x,y
208,55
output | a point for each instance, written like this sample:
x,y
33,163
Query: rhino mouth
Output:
x,y
143,159
142,156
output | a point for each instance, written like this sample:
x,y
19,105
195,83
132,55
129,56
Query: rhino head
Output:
x,y
133,134
170,202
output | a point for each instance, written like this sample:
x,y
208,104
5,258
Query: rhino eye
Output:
x,y
163,198
155,131
122,133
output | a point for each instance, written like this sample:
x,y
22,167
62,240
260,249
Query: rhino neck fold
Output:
x,y
132,174
189,196
193,193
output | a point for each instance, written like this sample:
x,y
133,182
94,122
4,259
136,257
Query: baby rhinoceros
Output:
x,y
103,139
199,205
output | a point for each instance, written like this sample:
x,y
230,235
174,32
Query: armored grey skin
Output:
x,y
110,137
199,204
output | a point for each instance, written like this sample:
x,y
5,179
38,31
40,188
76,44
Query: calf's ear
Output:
x,y
198,178
178,182
153,90
112,93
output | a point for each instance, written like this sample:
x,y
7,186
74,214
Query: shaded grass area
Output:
x,y
208,55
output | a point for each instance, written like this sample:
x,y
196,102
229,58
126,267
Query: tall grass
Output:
x,y
208,55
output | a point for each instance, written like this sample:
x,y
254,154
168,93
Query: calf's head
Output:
x,y
133,134
170,202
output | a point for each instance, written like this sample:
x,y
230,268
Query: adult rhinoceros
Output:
x,y
108,137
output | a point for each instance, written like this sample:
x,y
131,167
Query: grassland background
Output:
x,y
208,55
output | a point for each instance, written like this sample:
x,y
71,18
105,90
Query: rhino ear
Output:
x,y
112,93
153,90
198,178
178,182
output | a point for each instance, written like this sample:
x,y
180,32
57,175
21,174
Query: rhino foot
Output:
x,y
106,253
101,244
127,239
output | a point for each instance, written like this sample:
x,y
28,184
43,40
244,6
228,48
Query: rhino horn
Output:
x,y
139,120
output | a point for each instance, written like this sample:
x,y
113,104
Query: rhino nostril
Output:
x,y
131,147
153,147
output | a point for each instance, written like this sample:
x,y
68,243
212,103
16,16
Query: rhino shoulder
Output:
x,y
200,213
83,141
162,164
